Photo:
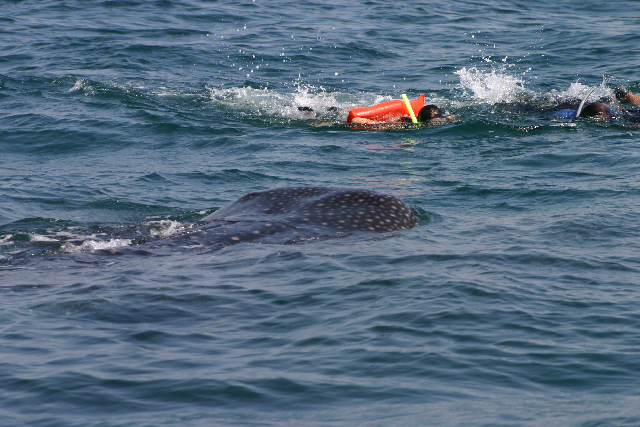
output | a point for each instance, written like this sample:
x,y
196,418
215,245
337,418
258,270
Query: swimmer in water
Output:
x,y
593,110
388,115
602,111
429,113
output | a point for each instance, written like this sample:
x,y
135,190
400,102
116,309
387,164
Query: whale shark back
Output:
x,y
322,209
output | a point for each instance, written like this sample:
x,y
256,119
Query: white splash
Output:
x,y
271,103
163,229
578,90
79,85
41,238
491,87
94,245
151,229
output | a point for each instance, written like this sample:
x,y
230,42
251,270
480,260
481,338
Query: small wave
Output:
x,y
6,240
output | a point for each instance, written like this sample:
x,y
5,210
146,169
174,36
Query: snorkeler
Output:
x,y
428,113
390,114
602,111
397,112
593,110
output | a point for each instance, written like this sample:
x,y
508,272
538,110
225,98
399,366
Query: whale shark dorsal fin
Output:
x,y
579,110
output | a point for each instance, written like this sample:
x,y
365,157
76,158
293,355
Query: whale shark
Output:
x,y
295,214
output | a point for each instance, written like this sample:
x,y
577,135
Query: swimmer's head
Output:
x,y
430,112
596,110
621,93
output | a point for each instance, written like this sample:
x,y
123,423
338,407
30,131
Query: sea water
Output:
x,y
515,301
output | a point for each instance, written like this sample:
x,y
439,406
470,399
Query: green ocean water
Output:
x,y
514,302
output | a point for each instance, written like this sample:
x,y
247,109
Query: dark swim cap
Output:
x,y
430,112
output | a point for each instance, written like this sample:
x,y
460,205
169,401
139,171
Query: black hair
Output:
x,y
429,112
595,109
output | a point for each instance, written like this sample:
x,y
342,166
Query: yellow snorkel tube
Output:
x,y
408,104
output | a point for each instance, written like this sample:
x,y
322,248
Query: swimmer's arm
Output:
x,y
437,120
631,99
363,121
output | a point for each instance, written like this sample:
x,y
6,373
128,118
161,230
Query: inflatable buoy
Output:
x,y
389,111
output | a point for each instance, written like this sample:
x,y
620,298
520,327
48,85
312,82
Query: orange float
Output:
x,y
389,111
